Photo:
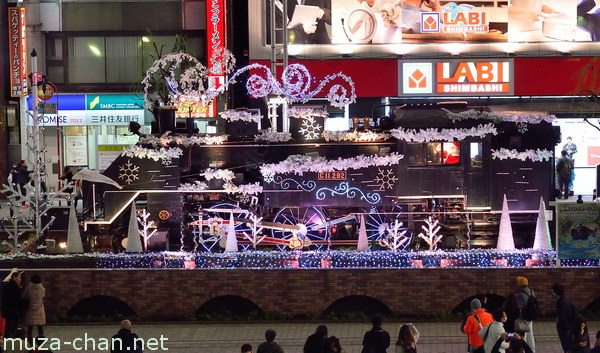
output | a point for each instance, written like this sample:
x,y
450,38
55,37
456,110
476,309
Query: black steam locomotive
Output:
x,y
456,181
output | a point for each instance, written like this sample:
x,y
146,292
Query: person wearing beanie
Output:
x,y
478,319
523,293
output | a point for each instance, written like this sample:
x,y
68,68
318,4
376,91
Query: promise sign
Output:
x,y
17,51
456,78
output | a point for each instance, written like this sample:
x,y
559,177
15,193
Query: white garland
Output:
x,y
195,186
449,135
165,155
192,82
242,115
535,155
218,174
306,113
355,136
270,136
300,164
244,189
166,139
500,117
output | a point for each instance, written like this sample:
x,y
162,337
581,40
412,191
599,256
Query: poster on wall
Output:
x,y
76,151
578,230
107,154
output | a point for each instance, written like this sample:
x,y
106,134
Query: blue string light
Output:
x,y
344,189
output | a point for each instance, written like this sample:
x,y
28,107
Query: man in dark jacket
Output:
x,y
315,343
564,169
377,340
12,304
23,176
269,346
125,341
566,317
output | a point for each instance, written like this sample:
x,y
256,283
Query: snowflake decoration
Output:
x,y
129,172
310,129
522,128
385,179
244,198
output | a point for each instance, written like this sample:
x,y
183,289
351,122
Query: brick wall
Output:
x,y
170,293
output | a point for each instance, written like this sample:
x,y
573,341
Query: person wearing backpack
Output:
x,y
528,307
478,319
564,170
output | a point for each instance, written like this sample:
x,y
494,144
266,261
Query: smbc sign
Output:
x,y
113,102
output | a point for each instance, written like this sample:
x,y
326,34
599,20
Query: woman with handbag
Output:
x,y
35,315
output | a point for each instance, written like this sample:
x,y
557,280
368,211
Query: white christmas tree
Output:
x,y
231,244
363,242
255,228
431,236
134,243
542,232
19,223
506,241
395,238
146,226
74,244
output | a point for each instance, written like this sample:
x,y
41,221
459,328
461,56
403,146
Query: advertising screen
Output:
x,y
433,21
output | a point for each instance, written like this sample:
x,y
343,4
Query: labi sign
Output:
x,y
114,102
456,78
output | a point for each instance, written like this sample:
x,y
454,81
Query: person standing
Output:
x,y
581,337
125,341
23,176
478,319
571,149
523,294
492,332
315,343
12,304
566,317
35,314
596,348
407,339
564,170
377,340
269,346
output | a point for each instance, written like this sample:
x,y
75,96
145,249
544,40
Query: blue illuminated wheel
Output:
x,y
208,241
309,223
379,219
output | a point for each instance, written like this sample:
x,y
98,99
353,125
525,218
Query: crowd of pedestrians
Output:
x,y
508,329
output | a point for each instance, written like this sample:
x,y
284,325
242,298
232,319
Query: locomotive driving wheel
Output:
x,y
310,227
209,241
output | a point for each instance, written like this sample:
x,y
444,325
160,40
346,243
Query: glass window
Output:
x,y
476,154
434,153
86,60
54,50
414,152
123,59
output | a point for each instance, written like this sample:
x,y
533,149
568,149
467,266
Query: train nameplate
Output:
x,y
341,175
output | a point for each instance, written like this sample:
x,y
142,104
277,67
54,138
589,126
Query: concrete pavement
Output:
x,y
441,337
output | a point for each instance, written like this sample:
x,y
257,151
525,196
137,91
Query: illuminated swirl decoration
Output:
x,y
295,85
306,185
344,189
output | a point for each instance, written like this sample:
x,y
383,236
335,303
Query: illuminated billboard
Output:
x,y
433,21
455,77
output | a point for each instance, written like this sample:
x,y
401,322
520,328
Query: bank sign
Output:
x,y
456,78
79,109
